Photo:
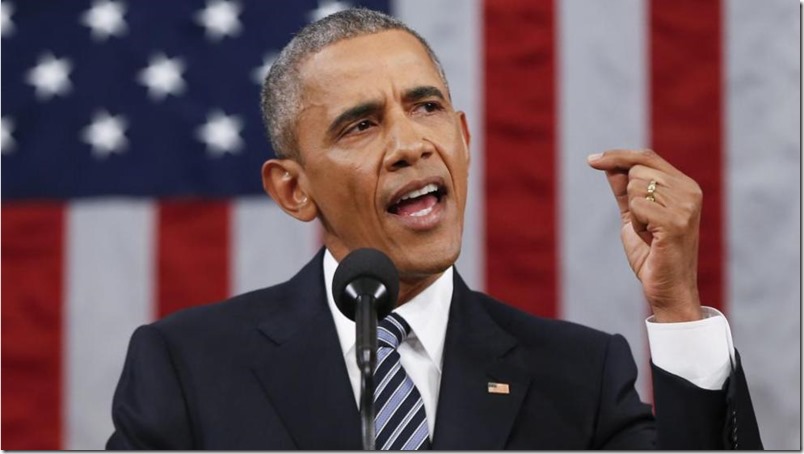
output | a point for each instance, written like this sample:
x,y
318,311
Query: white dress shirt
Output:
x,y
699,351
422,352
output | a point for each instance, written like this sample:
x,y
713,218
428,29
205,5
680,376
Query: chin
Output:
x,y
428,261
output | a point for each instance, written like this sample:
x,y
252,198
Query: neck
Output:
x,y
410,287
410,284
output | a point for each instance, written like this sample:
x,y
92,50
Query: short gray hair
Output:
x,y
281,91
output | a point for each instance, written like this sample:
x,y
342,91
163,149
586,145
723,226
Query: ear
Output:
x,y
467,137
285,182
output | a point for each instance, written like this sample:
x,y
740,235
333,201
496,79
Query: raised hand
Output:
x,y
660,208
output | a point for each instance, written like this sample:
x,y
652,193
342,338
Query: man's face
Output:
x,y
385,155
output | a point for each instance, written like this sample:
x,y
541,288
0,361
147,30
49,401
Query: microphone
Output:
x,y
365,288
365,272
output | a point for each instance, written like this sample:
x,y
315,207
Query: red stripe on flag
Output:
x,y
686,116
32,270
521,187
193,254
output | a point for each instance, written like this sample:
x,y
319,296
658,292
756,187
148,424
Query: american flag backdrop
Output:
x,y
132,146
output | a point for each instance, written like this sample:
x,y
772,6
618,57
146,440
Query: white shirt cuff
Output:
x,y
701,351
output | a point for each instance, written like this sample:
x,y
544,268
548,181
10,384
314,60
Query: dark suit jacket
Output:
x,y
264,370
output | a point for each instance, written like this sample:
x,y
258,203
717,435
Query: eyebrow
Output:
x,y
419,93
352,114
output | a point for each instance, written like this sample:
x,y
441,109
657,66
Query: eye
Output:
x,y
363,125
429,107
358,127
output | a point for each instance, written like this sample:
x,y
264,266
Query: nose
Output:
x,y
406,143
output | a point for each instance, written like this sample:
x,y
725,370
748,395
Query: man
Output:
x,y
368,142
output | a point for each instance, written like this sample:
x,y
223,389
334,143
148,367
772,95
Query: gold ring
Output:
x,y
651,191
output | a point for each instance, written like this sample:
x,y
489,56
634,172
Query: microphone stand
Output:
x,y
366,351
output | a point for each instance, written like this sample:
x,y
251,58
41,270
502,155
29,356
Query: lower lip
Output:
x,y
425,221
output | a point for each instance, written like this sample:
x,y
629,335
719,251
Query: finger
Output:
x,y
638,191
625,159
639,224
618,181
639,188
644,172
625,188
675,192
648,217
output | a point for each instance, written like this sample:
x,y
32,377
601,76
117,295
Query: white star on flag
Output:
x,y
219,18
326,8
259,73
6,139
221,133
6,26
106,134
50,76
163,77
105,18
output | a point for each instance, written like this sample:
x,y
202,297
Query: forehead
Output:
x,y
366,67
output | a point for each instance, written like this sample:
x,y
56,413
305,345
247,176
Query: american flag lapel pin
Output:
x,y
498,388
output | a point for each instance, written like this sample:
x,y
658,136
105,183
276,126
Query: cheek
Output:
x,y
456,157
343,189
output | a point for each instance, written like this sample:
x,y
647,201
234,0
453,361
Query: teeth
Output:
x,y
423,212
420,192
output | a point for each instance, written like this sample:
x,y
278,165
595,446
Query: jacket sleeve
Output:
x,y
686,416
149,409
689,417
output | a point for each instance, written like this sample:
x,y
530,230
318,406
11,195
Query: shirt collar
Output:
x,y
427,313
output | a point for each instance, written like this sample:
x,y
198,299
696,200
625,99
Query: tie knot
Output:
x,y
392,331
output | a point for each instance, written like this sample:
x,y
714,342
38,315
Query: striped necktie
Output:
x,y
400,421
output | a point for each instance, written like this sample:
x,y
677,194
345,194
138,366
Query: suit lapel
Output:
x,y
311,393
477,352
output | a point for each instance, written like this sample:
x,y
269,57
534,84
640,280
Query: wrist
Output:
x,y
689,313
684,306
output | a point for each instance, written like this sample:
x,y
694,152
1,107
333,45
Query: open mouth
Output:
x,y
418,202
